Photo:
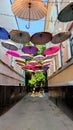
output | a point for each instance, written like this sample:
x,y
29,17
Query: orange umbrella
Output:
x,y
29,9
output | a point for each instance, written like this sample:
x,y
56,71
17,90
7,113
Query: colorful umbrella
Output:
x,y
51,50
4,35
30,49
13,53
60,37
29,9
19,36
45,67
33,63
20,60
66,14
45,64
20,64
38,57
41,38
47,61
50,56
26,56
8,44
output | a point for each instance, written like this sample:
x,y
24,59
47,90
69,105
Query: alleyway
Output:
x,y
35,113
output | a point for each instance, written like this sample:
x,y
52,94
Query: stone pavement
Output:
x,y
35,113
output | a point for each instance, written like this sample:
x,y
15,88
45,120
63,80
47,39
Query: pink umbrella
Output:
x,y
33,63
41,38
13,53
38,57
45,64
30,49
51,50
50,56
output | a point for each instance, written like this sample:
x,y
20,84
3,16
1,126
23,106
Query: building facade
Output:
x,y
10,72
61,68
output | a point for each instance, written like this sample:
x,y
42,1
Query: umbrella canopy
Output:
x,y
66,14
29,9
51,50
50,56
38,57
60,37
19,36
30,49
20,60
13,53
26,56
4,35
33,63
8,44
41,38
45,67
20,64
47,61
45,64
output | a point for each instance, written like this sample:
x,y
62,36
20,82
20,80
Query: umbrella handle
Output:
x,y
28,26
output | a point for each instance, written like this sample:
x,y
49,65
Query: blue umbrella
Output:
x,y
4,34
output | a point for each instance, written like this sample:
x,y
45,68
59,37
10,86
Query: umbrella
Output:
x,y
66,14
19,36
60,37
50,56
33,63
20,64
30,49
26,56
13,53
20,60
4,35
8,44
28,66
51,50
47,61
41,38
45,64
29,9
45,67
38,57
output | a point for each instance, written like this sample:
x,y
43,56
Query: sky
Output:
x,y
35,26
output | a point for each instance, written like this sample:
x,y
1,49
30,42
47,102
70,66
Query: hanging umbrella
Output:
x,y
66,14
33,63
60,37
29,9
30,49
26,56
41,38
45,67
20,64
47,61
51,50
13,53
50,56
45,64
19,36
4,35
38,57
20,60
8,44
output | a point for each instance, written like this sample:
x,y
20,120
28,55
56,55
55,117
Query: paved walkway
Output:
x,y
35,113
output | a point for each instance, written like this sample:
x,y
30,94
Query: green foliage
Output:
x,y
32,82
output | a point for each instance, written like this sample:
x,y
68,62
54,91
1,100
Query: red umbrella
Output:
x,y
60,37
33,63
30,49
41,38
13,53
38,57
51,50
